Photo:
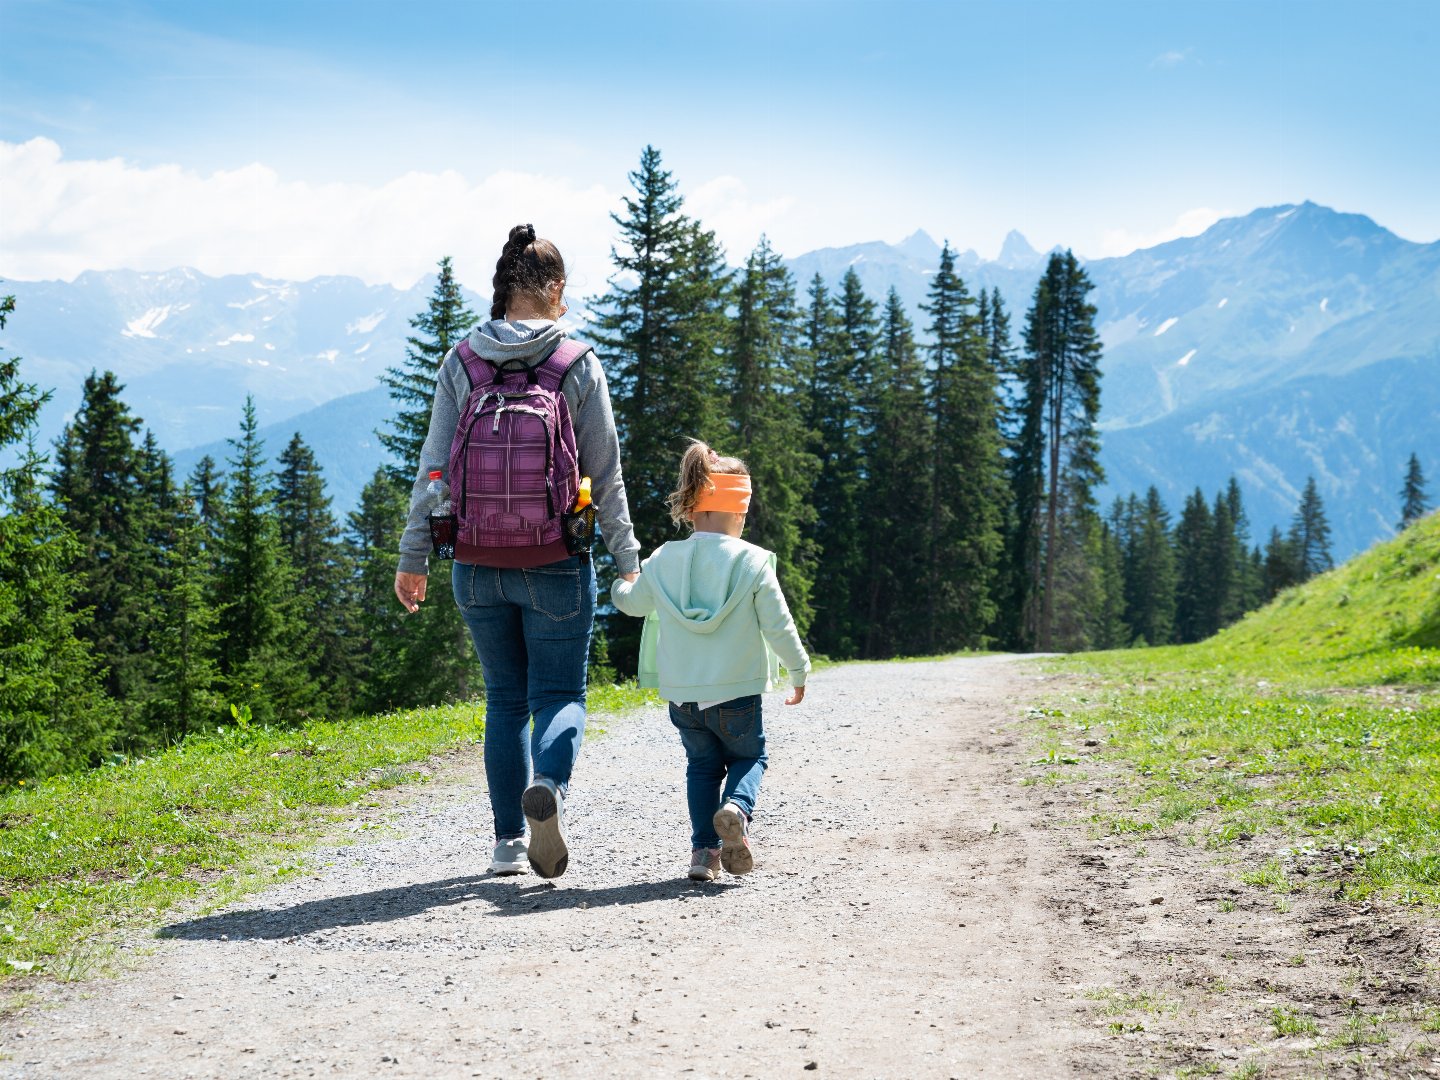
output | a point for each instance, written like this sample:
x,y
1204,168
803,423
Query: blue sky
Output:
x,y
316,136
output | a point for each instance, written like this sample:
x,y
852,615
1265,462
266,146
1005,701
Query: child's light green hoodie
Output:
x,y
716,623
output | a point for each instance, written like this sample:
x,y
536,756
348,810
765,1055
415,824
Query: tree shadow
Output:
x,y
506,897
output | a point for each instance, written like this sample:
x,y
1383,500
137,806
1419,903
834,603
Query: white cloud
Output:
x,y
1171,58
724,204
1191,223
63,217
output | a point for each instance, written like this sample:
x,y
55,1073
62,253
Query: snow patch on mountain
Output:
x,y
145,325
241,305
1223,301
366,323
235,339
329,355
1166,326
1325,304
1186,358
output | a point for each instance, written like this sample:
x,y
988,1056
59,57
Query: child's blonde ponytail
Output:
x,y
696,466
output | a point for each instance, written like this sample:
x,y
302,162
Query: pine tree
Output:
x,y
1225,570
967,496
53,713
1061,398
1280,567
1194,545
842,341
266,634
309,534
900,458
768,421
1413,505
407,660
1150,591
99,488
387,637
1009,589
661,326
439,328
1108,628
207,489
183,630
1249,585
1310,534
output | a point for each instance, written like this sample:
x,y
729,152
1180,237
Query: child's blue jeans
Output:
x,y
725,751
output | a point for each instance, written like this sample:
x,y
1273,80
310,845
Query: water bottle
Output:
x,y
442,519
439,493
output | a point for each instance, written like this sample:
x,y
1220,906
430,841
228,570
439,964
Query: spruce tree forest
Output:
x,y
925,478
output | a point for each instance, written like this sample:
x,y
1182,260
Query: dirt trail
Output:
x,y
915,912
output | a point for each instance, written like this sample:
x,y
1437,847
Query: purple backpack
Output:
x,y
513,468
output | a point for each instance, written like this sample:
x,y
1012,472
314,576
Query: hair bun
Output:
x,y
530,233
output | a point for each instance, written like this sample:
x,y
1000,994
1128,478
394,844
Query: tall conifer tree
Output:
x,y
53,713
1279,567
266,636
768,421
842,342
900,460
311,538
1413,505
446,319
99,488
1060,385
1194,547
1150,597
967,496
1310,534
183,630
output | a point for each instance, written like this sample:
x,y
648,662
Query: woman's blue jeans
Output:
x,y
725,758
531,630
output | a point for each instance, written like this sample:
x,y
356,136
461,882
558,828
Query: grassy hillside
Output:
x,y
1306,738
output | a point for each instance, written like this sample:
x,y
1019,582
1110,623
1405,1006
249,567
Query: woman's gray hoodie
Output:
x,y
596,445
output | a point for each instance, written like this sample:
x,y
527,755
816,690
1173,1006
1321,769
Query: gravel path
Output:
x,y
915,911
860,945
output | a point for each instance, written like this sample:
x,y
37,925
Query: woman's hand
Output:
x,y
410,589
796,696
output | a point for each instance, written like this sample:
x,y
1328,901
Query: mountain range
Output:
x,y
1290,342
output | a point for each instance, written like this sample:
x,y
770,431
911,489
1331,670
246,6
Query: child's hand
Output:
x,y
796,696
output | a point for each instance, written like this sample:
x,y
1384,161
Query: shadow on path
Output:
x,y
512,896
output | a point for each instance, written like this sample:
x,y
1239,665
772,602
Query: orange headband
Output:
x,y
730,493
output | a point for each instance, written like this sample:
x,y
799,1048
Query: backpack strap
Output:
x,y
480,370
551,372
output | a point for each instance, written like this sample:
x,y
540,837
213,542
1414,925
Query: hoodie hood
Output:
x,y
684,579
526,340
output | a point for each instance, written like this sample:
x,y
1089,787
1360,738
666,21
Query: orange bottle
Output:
x,y
582,498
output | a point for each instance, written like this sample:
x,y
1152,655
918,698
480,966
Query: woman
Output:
x,y
529,610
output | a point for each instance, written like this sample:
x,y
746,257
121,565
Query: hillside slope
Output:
x,y
1374,619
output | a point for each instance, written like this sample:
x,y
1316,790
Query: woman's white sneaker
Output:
x,y
509,857
544,809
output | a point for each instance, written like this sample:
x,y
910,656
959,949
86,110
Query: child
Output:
x,y
715,620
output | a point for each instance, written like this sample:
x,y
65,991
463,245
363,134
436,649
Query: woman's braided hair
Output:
x,y
528,266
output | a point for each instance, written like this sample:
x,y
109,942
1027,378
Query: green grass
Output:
x,y
1114,1002
114,848
1312,727
1287,1022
